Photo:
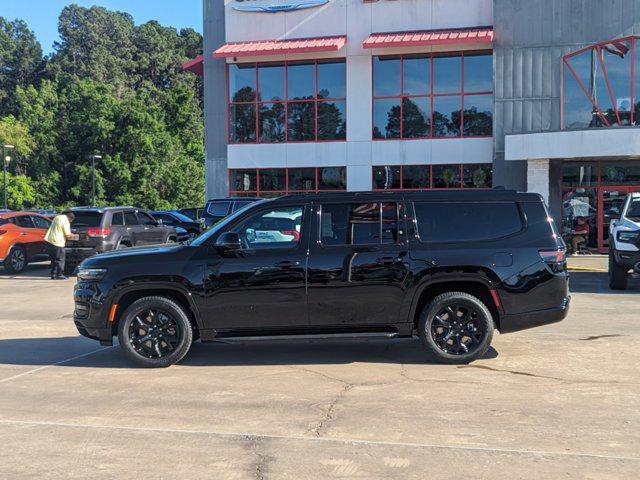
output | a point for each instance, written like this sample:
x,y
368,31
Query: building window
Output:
x,y
273,182
433,96
600,86
287,102
424,177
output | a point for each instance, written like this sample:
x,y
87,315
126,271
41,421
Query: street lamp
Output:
x,y
93,180
5,163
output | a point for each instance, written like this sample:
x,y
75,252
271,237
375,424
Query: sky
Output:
x,y
42,15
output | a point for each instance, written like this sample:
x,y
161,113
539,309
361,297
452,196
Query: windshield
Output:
x,y
221,225
633,212
181,217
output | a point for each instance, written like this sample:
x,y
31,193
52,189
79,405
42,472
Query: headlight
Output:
x,y
91,274
628,237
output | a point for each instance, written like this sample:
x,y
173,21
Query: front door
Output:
x,y
262,285
151,233
358,264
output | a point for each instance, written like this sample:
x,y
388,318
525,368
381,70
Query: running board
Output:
x,y
315,336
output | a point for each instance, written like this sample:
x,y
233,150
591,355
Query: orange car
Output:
x,y
22,239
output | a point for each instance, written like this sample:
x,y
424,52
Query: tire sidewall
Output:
x,y
13,251
172,308
436,305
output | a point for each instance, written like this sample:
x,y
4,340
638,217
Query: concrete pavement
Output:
x,y
557,401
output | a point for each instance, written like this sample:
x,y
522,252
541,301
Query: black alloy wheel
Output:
x,y
155,332
17,260
456,327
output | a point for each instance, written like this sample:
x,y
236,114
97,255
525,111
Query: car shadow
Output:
x,y
598,283
31,271
81,352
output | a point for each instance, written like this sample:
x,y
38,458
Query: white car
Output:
x,y
624,243
276,227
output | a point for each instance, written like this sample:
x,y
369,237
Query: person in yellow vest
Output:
x,y
57,235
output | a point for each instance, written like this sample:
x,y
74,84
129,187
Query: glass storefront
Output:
x,y
595,191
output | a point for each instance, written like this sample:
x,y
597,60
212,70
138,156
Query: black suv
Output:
x,y
217,209
448,266
113,228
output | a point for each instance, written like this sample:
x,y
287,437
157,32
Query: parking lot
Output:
x,y
559,401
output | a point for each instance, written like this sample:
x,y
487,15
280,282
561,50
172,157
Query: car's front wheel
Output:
x,y
617,274
456,327
16,261
155,332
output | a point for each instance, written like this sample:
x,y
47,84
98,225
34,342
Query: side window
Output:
x,y
466,222
130,218
359,223
274,228
218,209
166,219
41,223
146,219
117,219
238,205
24,221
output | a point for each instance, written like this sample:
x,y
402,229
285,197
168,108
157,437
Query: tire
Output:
x,y
16,261
470,333
168,319
617,274
70,268
122,246
172,239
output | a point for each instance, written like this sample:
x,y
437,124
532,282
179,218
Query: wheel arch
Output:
x,y
471,285
176,293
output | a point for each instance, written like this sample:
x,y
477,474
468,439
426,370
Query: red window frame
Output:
x,y
258,191
598,47
431,180
286,101
431,95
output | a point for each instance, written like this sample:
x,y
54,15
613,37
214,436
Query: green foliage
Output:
x,y
20,192
114,89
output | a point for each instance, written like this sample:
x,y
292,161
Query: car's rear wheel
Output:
x,y
456,327
155,332
617,274
16,261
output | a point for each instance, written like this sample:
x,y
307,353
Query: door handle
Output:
x,y
287,264
386,260
23,233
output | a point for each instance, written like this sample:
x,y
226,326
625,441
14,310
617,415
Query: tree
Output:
x,y
20,192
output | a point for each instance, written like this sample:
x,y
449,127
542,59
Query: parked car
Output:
x,y
113,228
218,209
176,219
22,239
624,242
192,213
447,266
46,212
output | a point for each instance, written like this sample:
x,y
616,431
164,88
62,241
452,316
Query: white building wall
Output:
x,y
358,20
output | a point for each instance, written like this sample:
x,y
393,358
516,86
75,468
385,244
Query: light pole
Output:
x,y
93,180
5,163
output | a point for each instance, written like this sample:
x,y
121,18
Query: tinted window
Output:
x,y
130,218
4,221
446,176
242,181
302,179
386,76
86,219
301,81
332,120
271,82
466,222
416,117
385,178
478,73
332,178
218,209
633,211
41,222
301,121
271,122
274,228
447,116
242,83
24,221
242,122
447,74
146,219
117,219
238,205
332,80
478,115
359,224
386,118
273,179
415,80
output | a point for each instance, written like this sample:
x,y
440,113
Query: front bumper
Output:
x,y
629,260
91,315
524,321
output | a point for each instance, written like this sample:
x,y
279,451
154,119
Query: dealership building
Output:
x,y
329,95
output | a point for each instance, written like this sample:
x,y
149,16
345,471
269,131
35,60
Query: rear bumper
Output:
x,y
77,255
524,321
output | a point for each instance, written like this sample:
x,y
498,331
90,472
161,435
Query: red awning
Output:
x,y
429,37
195,66
280,47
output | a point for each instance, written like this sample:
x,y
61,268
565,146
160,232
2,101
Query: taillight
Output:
x,y
556,259
295,233
99,232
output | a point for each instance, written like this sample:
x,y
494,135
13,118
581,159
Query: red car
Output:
x,y
22,239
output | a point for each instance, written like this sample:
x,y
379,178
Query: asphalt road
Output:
x,y
555,402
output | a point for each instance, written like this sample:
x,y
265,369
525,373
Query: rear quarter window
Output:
x,y
466,221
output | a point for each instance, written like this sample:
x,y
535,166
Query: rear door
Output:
x,y
28,235
358,268
133,227
41,227
152,233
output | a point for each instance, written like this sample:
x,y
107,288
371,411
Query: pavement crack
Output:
x,y
259,467
597,337
328,415
514,372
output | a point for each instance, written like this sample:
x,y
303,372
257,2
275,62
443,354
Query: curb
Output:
x,y
587,269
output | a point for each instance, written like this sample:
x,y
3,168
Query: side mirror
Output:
x,y
228,242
